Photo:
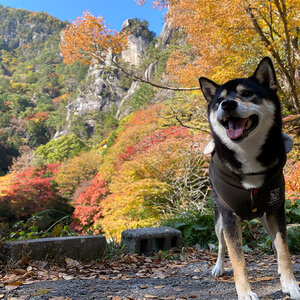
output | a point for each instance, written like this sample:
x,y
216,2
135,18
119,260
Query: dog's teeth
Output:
x,y
249,123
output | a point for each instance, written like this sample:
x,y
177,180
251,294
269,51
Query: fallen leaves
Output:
x,y
60,298
42,292
71,263
159,287
150,296
126,267
143,287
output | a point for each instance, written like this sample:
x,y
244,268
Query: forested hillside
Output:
x,y
108,134
33,81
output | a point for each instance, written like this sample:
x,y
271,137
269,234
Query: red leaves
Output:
x,y
38,116
156,138
87,206
32,190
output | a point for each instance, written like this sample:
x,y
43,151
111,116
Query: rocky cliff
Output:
x,y
137,45
103,89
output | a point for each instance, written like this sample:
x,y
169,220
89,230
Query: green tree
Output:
x,y
37,133
61,149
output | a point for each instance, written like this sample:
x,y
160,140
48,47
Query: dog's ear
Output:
x,y
208,87
265,74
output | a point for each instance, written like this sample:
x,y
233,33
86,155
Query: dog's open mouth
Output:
x,y
237,128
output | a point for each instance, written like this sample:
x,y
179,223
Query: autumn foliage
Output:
x,y
31,191
89,38
151,167
228,37
88,204
292,181
141,178
146,189
76,170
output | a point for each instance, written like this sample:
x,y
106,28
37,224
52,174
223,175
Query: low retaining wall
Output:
x,y
86,248
83,248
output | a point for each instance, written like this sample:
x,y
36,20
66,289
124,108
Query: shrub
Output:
x,y
133,129
31,191
157,177
77,170
196,228
88,204
61,149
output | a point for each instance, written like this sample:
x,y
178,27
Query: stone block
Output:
x,y
150,240
83,248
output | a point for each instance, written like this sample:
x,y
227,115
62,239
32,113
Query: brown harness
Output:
x,y
247,204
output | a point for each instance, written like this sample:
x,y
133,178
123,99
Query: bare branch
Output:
x,y
290,119
258,29
140,79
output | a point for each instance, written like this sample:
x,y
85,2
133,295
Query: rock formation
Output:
x,y
102,89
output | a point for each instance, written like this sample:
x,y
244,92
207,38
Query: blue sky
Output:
x,y
113,11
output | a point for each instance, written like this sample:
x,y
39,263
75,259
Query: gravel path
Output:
x,y
189,281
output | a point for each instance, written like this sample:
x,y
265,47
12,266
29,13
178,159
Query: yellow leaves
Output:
x,y
225,39
88,38
190,109
5,182
76,170
19,87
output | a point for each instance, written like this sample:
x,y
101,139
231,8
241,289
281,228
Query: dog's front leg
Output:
x,y
233,238
276,227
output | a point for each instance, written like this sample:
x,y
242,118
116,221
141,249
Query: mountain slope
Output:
x,y
33,80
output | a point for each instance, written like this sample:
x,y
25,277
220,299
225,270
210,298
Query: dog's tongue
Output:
x,y
236,127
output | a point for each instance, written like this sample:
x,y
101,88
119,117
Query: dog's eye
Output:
x,y
247,93
220,99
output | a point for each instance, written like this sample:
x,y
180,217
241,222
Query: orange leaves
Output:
x,y
89,38
292,180
217,30
155,3
228,36
77,170
183,67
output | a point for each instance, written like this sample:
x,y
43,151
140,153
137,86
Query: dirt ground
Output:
x,y
181,276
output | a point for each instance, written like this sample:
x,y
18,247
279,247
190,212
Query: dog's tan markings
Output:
x,y
285,269
218,269
244,103
283,256
235,250
240,88
223,94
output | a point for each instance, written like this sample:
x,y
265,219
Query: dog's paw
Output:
x,y
217,271
248,296
291,288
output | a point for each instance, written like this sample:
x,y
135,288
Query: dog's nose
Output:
x,y
229,105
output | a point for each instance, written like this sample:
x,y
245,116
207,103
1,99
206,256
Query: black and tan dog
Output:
x,y
248,154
